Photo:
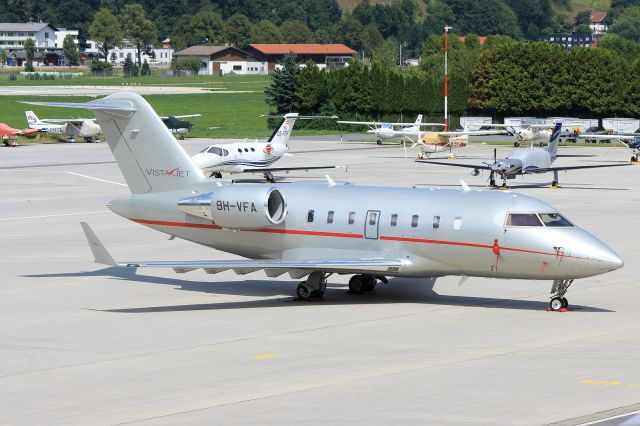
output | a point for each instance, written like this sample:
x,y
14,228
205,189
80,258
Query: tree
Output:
x,y
238,30
485,17
280,94
145,70
371,39
113,58
207,27
296,31
627,25
70,50
619,45
266,31
139,30
349,31
583,17
309,89
3,57
387,54
129,69
105,30
29,50
193,65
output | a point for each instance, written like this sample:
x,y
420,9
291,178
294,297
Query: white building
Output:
x,y
163,56
13,35
220,60
61,33
596,23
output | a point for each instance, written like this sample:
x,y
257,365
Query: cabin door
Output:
x,y
372,224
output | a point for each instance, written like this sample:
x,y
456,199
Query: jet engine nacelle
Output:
x,y
238,206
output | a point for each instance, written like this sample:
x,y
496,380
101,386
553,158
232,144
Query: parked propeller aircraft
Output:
x,y
527,133
7,132
632,141
525,161
384,130
177,126
253,157
315,229
72,128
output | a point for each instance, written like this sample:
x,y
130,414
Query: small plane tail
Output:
x,y
419,119
281,135
32,118
149,157
552,148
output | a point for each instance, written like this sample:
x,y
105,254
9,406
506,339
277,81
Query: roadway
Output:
x,y
84,344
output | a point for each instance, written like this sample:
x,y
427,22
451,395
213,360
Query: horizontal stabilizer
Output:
x,y
111,104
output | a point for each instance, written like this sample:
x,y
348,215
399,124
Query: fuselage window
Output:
x,y
352,218
414,221
310,216
373,218
457,223
239,149
246,150
330,216
394,219
523,219
554,220
436,222
225,152
253,150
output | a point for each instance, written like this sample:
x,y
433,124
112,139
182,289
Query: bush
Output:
x,y
192,65
13,77
101,68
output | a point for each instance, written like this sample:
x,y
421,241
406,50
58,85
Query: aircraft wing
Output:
x,y
364,123
284,169
181,116
272,268
75,121
473,133
593,166
603,136
468,166
25,132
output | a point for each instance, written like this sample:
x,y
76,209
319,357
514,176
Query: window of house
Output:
x,y
436,222
394,219
414,221
352,218
330,216
310,214
237,67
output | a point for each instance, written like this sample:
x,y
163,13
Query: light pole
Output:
x,y
446,77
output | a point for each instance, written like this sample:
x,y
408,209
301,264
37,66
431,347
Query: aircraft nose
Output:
x,y
601,258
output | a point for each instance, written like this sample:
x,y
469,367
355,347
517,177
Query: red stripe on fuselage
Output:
x,y
344,235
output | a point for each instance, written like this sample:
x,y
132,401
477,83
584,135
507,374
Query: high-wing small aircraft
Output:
x,y
524,161
384,130
7,132
630,140
177,126
253,157
526,133
72,128
316,229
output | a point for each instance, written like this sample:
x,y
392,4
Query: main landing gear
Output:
x,y
558,290
554,183
216,175
360,284
313,287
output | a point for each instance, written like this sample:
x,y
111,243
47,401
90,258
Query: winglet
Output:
x,y
329,180
100,253
465,187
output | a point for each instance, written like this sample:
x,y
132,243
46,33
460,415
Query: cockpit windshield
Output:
x,y
554,219
215,150
537,219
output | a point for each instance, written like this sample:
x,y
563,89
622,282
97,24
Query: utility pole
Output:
x,y
446,77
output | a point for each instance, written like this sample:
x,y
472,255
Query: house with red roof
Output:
x,y
221,60
596,23
324,55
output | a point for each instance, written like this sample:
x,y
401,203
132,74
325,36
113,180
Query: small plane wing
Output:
x,y
364,123
181,116
271,267
284,169
468,166
380,123
603,136
594,166
66,120
473,133
25,132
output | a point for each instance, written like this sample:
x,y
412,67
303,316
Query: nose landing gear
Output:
x,y
558,290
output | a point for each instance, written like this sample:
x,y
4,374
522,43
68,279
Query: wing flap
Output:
x,y
468,166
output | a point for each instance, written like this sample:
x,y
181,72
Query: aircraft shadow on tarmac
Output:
x,y
399,290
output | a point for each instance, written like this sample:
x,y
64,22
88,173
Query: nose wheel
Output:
x,y
558,290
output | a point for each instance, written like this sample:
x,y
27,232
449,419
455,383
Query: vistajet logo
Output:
x,y
177,172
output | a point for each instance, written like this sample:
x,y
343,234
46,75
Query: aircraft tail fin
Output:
x,y
552,148
149,157
419,119
32,118
281,135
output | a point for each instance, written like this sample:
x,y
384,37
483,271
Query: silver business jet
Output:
x,y
524,161
253,157
315,229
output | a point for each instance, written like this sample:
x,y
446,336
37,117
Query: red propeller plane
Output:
x,y
7,132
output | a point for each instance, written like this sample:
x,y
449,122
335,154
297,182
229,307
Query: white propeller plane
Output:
x,y
253,157
72,127
384,130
